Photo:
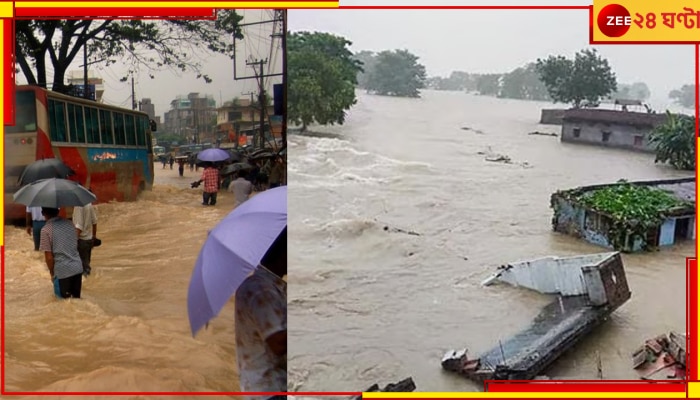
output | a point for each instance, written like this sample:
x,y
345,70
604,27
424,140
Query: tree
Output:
x,y
684,97
675,141
149,44
523,83
396,73
583,81
488,84
368,60
322,74
636,91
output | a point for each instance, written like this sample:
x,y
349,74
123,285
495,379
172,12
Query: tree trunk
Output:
x,y
303,128
26,69
59,75
41,69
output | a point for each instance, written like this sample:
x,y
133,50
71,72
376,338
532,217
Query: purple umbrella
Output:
x,y
213,155
232,251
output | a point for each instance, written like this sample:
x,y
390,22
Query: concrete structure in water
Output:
x,y
588,288
610,128
573,218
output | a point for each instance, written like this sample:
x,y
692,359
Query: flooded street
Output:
x,y
130,330
373,306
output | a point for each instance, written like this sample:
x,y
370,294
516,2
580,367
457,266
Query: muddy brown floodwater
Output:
x,y
130,331
366,305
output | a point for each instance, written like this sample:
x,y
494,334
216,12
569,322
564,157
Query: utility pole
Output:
x,y
133,93
86,94
284,78
260,140
252,113
258,68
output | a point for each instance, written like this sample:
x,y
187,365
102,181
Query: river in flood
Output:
x,y
373,306
130,330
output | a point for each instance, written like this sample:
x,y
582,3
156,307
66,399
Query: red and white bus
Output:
x,y
109,148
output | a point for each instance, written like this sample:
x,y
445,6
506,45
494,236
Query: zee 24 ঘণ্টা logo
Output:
x,y
614,20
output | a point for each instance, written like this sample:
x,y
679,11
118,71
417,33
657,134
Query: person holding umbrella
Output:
x,y
261,323
58,239
210,177
246,255
60,245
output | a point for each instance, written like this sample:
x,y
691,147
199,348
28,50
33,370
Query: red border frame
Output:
x,y
493,386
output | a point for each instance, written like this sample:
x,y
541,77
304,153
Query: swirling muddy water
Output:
x,y
130,330
368,305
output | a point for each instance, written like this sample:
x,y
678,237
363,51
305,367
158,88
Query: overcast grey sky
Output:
x,y
497,40
167,85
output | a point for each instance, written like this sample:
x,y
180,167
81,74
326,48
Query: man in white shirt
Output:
x,y
35,221
85,222
261,324
241,189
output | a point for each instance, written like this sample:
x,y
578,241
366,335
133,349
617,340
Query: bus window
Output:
x,y
130,130
106,127
141,129
92,125
25,113
57,121
76,123
119,134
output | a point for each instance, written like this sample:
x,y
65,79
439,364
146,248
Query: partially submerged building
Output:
x,y
610,128
588,288
628,216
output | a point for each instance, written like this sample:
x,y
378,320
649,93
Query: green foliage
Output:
x,y
583,81
322,74
675,141
636,91
396,73
684,97
457,81
488,84
523,83
151,45
633,210
368,60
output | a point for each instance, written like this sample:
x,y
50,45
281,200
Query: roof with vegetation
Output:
x,y
633,202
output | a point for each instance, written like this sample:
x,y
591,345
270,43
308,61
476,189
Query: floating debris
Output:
x,y
588,289
477,131
404,386
661,358
499,158
399,230
543,133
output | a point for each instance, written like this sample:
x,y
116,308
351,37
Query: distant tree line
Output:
x,y
552,79
521,83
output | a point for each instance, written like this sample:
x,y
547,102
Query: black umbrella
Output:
x,y
235,156
262,154
54,193
44,169
237,167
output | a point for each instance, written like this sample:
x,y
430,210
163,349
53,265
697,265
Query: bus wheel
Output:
x,y
142,188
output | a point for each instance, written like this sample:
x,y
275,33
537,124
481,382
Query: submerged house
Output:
x,y
628,216
610,128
